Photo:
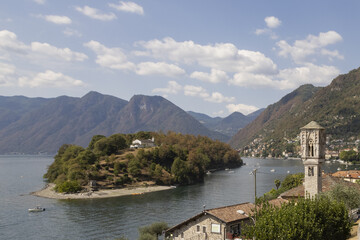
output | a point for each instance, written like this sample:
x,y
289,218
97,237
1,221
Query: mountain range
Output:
x,y
33,125
336,107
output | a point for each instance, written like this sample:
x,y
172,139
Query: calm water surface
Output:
x,y
116,217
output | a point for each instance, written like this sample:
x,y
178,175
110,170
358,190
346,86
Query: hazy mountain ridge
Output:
x,y
43,125
229,125
336,107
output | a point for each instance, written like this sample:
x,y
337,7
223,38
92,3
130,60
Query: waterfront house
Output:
x,y
144,143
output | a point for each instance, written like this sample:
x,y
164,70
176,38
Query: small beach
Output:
x,y
48,192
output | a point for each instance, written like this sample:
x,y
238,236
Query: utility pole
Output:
x,y
254,173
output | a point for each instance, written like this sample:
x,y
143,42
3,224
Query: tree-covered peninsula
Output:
x,y
111,163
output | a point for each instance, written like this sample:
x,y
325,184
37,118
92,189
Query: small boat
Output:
x,y
288,171
272,170
36,209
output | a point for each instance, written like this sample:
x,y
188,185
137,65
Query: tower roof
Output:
x,y
313,125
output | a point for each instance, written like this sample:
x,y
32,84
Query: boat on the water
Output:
x,y
36,209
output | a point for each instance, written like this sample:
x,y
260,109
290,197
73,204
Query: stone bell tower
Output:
x,y
313,139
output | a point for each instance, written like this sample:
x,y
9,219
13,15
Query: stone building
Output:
x,y
313,140
213,224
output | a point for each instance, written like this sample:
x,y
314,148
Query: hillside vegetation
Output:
x,y
177,159
335,107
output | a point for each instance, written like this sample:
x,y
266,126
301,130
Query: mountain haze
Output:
x,y
229,125
43,125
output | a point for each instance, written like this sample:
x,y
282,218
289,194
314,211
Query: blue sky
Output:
x,y
213,57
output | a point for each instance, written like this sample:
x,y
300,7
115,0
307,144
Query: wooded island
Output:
x,y
109,162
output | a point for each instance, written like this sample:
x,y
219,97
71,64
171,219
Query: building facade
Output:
x,y
313,140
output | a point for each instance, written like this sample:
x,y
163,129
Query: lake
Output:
x,y
115,217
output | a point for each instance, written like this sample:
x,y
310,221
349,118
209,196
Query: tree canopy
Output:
x,y
319,218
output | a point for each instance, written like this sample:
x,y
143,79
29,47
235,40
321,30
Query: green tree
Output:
x,y
134,167
342,193
94,139
152,231
68,187
319,218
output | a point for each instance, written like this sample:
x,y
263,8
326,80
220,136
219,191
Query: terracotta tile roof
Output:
x,y
327,182
229,213
347,174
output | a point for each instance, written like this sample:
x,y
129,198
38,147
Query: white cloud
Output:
x,y
36,51
309,73
112,58
309,46
95,13
159,68
272,22
244,109
198,91
66,54
172,88
40,1
332,54
50,79
244,79
9,42
195,91
72,32
217,97
215,76
128,7
61,20
221,56
289,78
6,73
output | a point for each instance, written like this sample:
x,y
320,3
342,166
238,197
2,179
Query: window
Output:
x,y
204,229
215,228
197,228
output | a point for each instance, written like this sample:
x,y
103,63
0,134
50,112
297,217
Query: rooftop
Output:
x,y
313,125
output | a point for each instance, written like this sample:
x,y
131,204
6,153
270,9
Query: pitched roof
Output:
x,y
230,213
347,174
225,214
312,125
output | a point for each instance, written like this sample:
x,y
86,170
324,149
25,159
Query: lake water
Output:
x,y
115,217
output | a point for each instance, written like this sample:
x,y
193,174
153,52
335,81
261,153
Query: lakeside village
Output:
x,y
268,149
325,220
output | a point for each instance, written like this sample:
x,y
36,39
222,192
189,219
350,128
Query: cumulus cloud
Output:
x,y
36,50
215,76
242,108
301,49
6,74
198,91
50,79
9,42
172,88
128,7
63,53
272,22
113,58
289,78
217,97
222,56
159,68
95,13
60,20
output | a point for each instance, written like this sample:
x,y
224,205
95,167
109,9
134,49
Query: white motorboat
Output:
x,y
36,209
